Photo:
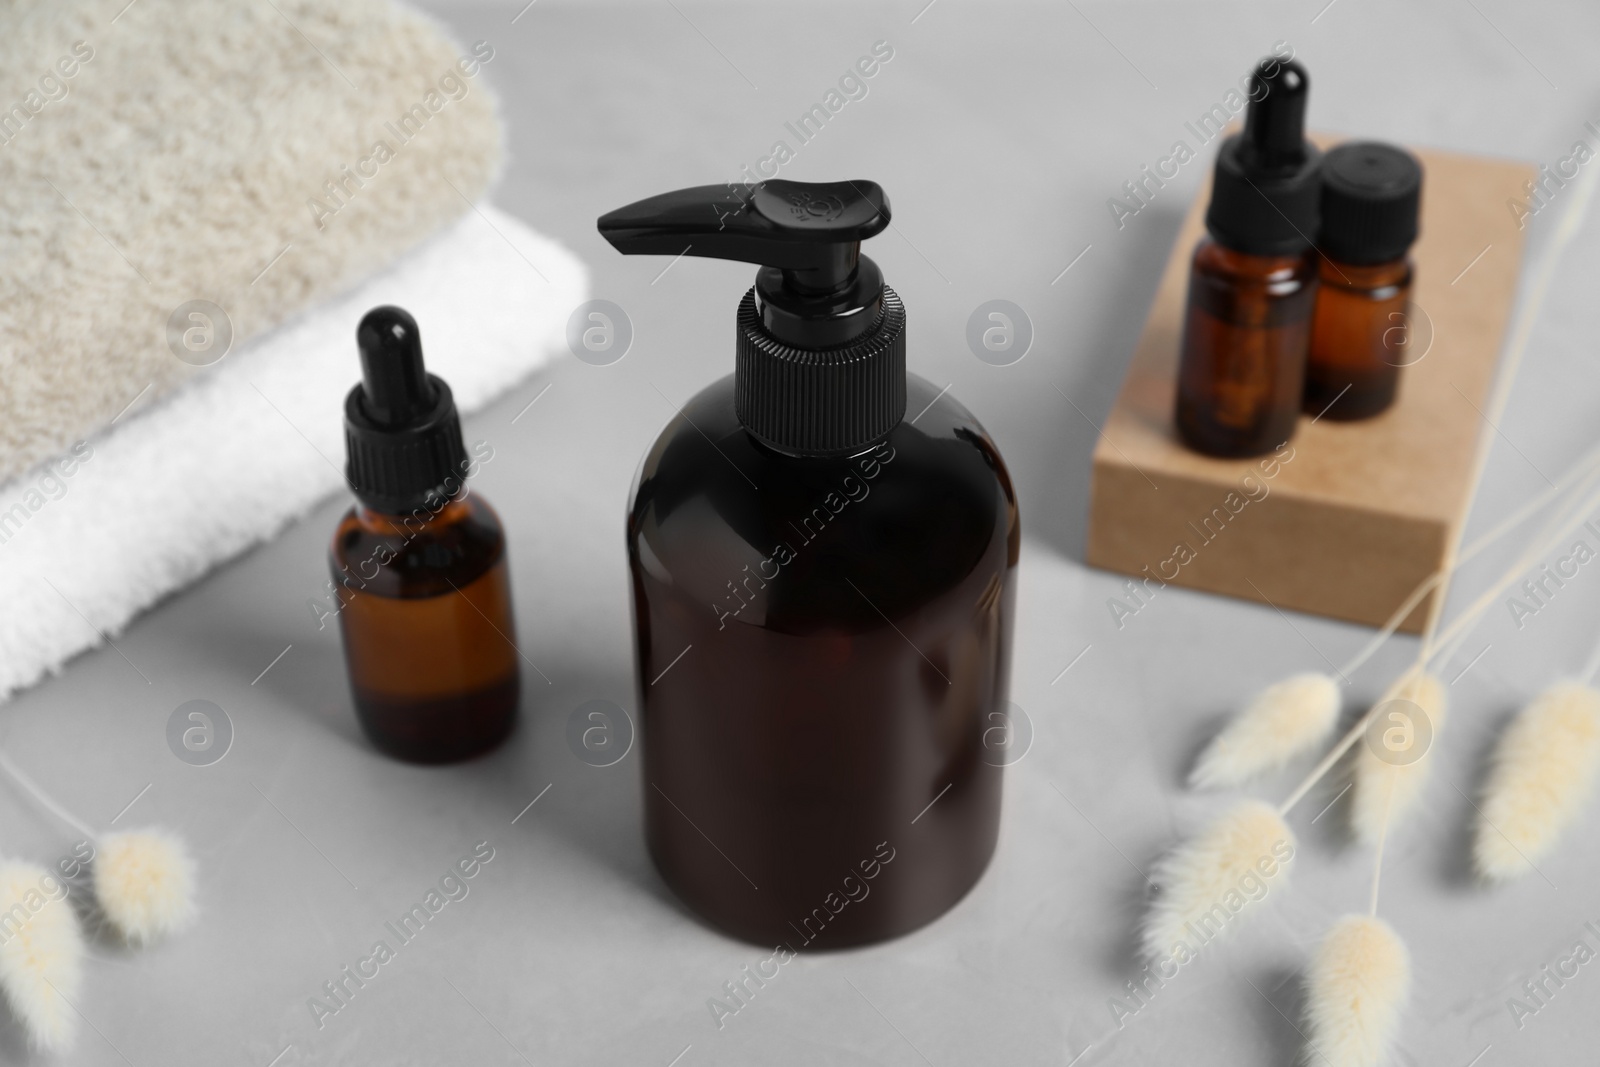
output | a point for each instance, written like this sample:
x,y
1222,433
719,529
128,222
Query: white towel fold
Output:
x,y
170,491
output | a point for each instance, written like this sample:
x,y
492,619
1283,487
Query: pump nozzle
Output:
x,y
820,363
812,231
817,289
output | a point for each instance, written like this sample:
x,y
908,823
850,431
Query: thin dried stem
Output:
x,y
45,800
1516,518
1431,645
1377,856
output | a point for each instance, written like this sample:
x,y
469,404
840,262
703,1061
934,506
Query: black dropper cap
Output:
x,y
820,362
1264,193
401,432
1371,196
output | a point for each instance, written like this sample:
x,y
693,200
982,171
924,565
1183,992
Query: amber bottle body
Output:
x,y
823,649
1246,338
1360,338
428,633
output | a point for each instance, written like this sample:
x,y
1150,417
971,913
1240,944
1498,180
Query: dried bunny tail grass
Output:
x,y
1385,790
1543,770
41,953
1356,991
144,881
1282,722
1207,882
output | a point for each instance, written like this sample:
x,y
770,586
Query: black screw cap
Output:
x,y
1371,197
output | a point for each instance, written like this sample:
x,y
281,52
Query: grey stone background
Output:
x,y
1000,130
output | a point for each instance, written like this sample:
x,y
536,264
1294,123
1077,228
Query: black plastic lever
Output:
x,y
811,231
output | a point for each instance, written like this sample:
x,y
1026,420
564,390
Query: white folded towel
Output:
x,y
93,537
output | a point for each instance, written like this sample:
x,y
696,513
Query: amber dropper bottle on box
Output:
x,y
420,565
1253,279
823,550
1361,334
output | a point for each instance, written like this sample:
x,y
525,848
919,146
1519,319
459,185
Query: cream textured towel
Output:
x,y
258,155
92,537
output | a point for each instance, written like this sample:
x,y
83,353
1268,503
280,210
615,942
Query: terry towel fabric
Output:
x,y
97,534
260,156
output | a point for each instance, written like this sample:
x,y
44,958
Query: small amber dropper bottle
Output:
x,y
419,564
1361,334
1253,280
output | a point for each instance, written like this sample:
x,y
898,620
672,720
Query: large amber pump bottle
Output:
x,y
823,591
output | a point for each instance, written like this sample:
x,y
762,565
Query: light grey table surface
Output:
x,y
1000,131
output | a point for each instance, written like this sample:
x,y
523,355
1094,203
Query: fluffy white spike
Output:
x,y
1355,992
1379,783
1209,881
1543,769
41,953
1283,721
144,881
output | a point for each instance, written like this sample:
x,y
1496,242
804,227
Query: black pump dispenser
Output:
x,y
402,434
1265,191
820,367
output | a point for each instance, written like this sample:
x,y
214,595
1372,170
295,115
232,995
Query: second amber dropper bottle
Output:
x,y
1253,281
1361,333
